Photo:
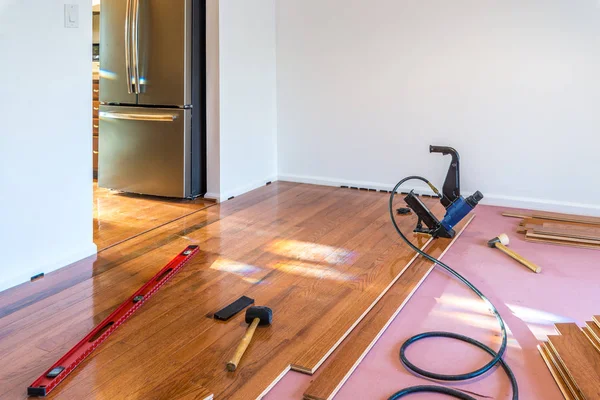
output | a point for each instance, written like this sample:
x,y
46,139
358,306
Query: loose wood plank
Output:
x,y
563,243
594,329
579,357
515,215
533,234
564,385
567,233
591,337
356,346
556,217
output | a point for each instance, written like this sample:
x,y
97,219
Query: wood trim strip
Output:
x,y
513,215
357,345
563,243
556,217
531,234
565,234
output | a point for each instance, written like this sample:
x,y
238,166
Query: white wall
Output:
x,y
365,86
45,138
248,109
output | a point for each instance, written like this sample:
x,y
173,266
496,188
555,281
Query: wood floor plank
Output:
x,y
566,234
535,234
579,357
563,243
591,337
556,217
594,328
366,334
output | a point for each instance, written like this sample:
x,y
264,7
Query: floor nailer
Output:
x,y
457,207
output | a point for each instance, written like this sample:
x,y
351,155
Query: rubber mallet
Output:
x,y
255,316
501,242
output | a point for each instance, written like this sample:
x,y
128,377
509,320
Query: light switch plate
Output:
x,y
71,15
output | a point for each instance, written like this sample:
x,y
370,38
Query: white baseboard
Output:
x,y
317,180
23,275
246,188
489,199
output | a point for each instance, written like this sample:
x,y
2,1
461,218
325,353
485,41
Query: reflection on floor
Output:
x,y
121,216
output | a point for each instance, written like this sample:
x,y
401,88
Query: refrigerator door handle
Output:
x,y
136,46
138,117
128,45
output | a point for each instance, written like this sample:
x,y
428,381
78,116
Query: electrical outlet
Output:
x,y
71,15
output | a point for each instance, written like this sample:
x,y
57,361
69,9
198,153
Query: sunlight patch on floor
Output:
x,y
307,251
237,268
488,322
539,317
451,301
312,271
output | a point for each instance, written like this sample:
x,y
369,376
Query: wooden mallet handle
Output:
x,y
517,257
241,349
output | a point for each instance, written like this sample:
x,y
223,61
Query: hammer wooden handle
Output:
x,y
517,257
239,352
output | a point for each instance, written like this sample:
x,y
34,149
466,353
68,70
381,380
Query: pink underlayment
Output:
x,y
567,290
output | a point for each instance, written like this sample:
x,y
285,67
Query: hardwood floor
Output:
x,y
121,216
320,257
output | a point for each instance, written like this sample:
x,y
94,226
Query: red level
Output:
x,y
63,367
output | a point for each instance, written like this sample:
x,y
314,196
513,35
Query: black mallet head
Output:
x,y
264,314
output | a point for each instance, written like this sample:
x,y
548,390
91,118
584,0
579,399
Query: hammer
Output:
x,y
501,242
255,316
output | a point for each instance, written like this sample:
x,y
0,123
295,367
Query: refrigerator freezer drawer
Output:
x,y
145,150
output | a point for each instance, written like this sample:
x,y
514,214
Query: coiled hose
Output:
x,y
497,356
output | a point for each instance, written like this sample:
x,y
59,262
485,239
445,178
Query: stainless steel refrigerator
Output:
x,y
152,99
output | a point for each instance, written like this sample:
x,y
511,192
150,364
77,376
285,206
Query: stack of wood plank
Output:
x,y
573,358
560,229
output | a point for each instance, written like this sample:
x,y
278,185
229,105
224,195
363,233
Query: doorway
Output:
x,y
125,172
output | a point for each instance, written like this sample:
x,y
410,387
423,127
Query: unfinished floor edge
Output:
x,y
418,284
311,371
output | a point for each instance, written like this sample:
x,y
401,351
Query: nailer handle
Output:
x,y
445,150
